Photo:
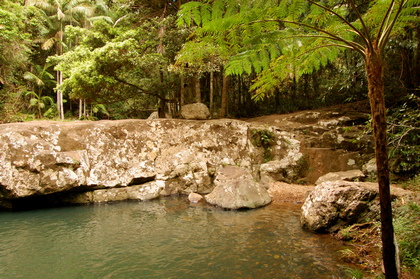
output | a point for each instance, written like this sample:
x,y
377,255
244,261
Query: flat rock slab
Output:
x,y
350,175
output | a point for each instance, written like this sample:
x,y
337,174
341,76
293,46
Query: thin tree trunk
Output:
x,y
60,96
61,109
80,108
84,109
223,109
197,89
60,77
374,70
211,83
182,91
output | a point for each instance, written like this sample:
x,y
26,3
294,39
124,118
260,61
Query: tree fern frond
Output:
x,y
218,9
296,9
206,15
48,44
190,13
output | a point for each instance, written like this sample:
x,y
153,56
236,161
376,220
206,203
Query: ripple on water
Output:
x,y
166,238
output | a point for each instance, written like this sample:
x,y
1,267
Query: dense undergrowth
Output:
x,y
363,240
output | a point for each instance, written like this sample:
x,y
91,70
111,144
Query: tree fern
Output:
x,y
316,32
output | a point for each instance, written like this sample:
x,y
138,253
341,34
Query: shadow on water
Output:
x,y
165,238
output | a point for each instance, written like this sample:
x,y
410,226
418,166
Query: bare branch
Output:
x,y
142,91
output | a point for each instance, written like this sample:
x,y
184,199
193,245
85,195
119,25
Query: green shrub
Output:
x,y
404,138
264,139
407,229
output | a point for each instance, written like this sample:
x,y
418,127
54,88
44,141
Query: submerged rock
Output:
x,y
194,197
236,188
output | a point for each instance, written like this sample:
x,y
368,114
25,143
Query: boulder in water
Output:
x,y
236,188
194,197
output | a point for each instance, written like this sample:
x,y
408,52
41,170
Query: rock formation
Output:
x,y
85,162
128,159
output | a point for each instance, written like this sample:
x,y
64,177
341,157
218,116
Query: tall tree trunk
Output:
x,y
211,83
225,87
416,62
374,71
60,106
60,96
182,91
197,89
80,108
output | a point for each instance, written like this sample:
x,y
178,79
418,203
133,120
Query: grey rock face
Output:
x,y
236,188
198,111
127,159
333,204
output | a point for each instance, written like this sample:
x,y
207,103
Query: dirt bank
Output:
x,y
285,192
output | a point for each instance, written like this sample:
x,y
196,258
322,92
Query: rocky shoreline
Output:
x,y
93,162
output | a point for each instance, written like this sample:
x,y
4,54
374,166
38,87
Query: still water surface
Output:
x,y
166,238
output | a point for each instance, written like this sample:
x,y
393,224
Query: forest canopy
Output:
x,y
125,58
94,59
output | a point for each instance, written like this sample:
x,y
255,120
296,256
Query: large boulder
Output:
x,y
236,188
198,111
334,204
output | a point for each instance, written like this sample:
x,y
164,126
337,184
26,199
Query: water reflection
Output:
x,y
167,238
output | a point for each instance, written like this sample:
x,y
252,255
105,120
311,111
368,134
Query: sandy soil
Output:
x,y
284,192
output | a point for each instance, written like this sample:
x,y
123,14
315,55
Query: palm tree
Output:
x,y
40,77
60,13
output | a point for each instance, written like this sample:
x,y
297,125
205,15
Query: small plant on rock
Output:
x,y
264,139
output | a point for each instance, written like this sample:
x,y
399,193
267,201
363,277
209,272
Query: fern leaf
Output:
x,y
218,9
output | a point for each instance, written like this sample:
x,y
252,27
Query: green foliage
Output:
x,y
262,138
404,137
407,228
355,273
14,41
113,64
283,42
40,79
40,102
412,184
199,57
265,139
